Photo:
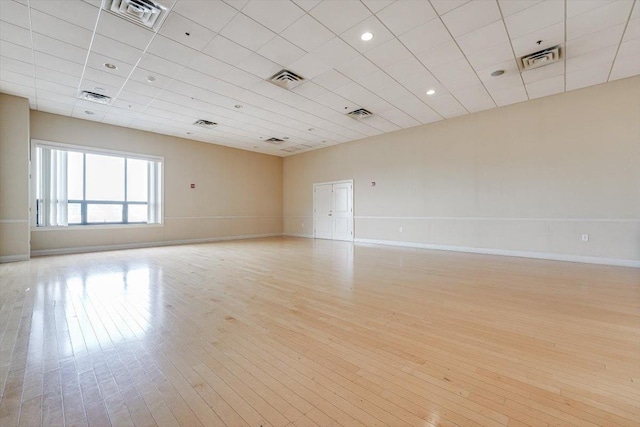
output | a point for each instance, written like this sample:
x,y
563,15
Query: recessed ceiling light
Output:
x,y
366,36
151,79
497,73
110,66
238,106
89,112
431,92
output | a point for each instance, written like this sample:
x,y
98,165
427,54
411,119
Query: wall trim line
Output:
x,y
307,236
506,252
139,245
14,258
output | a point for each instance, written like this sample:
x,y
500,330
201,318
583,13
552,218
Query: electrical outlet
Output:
x,y
401,229
585,237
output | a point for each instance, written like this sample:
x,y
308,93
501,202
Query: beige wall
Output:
x,y
528,177
14,178
238,193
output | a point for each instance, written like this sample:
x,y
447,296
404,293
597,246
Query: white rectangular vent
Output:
x,y
147,13
205,123
95,97
275,141
541,58
286,79
360,114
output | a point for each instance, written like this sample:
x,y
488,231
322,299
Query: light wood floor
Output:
x,y
295,332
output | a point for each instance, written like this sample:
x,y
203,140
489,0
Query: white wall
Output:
x,y
238,193
530,177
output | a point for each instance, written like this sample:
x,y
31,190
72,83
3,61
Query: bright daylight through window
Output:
x,y
85,187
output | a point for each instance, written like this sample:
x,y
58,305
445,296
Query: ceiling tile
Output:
x,y
171,50
578,7
15,34
307,33
59,29
388,53
331,79
444,6
588,76
483,38
225,50
247,32
309,66
510,95
97,61
630,48
14,13
425,36
633,28
339,16
116,50
377,5
45,74
57,64
357,68
60,49
445,105
17,52
475,98
545,87
196,78
535,18
440,55
376,81
372,25
456,75
121,30
307,4
550,36
625,66
10,64
78,13
493,55
142,87
182,30
159,65
259,66
103,78
281,51
210,66
598,19
597,57
211,14
404,15
241,78
590,42
273,14
335,52
542,73
411,74
510,7
471,16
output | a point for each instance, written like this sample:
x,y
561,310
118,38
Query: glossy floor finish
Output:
x,y
296,332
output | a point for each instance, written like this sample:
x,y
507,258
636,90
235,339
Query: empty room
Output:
x,y
318,213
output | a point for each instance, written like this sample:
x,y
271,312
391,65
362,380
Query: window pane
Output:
x,y
74,213
105,178
137,213
137,181
74,177
104,213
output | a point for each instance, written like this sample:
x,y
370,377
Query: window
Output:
x,y
88,187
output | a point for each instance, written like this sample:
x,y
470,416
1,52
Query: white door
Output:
x,y
333,210
323,215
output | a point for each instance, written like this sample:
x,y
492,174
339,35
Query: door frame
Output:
x,y
341,181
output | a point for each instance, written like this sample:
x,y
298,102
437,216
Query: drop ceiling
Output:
x,y
212,60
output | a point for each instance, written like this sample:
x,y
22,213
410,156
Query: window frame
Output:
x,y
83,203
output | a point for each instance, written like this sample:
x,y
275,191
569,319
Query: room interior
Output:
x,y
483,267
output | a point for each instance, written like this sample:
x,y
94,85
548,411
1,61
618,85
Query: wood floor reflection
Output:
x,y
296,332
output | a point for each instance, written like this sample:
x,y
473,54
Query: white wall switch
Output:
x,y
585,237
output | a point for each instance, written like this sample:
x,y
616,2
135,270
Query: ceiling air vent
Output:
x,y
541,58
95,97
205,123
360,114
142,12
286,79
275,141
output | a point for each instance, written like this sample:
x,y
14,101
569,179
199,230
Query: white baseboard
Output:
x,y
505,252
307,236
14,258
138,245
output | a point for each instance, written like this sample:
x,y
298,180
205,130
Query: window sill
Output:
x,y
96,227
